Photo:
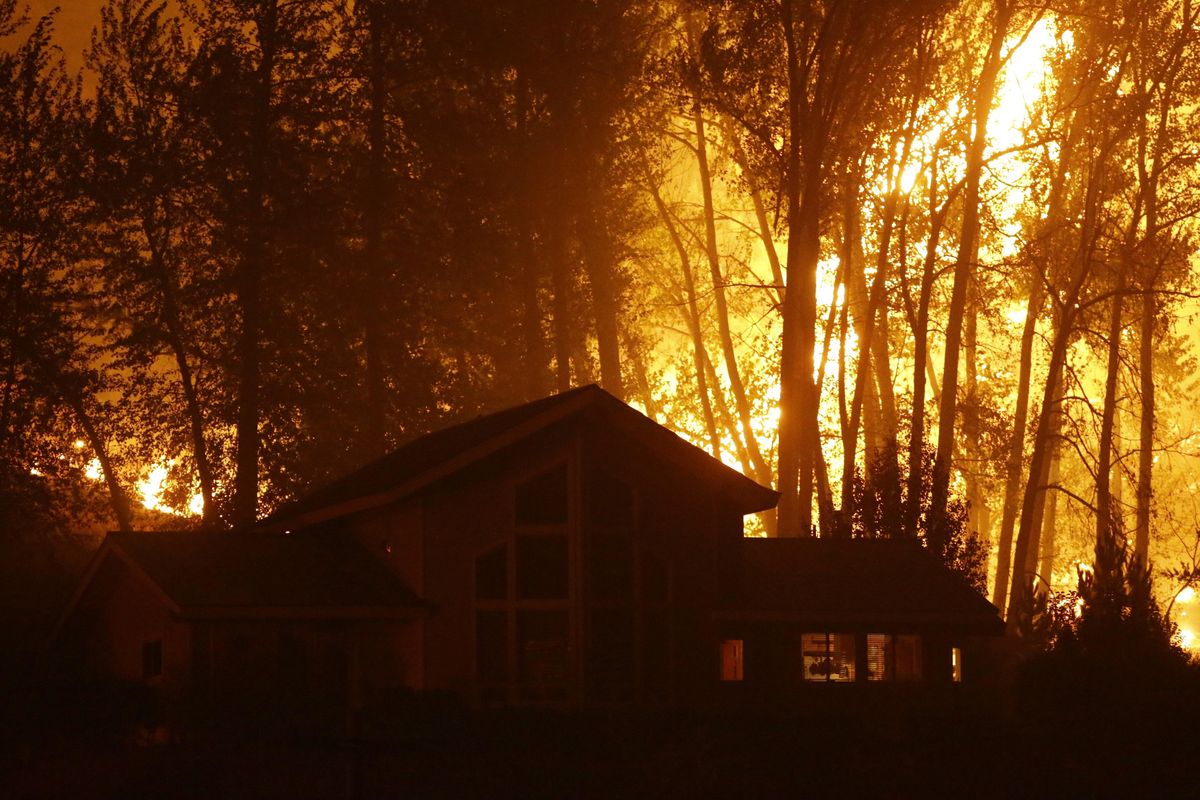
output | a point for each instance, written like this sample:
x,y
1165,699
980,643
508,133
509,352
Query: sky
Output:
x,y
74,24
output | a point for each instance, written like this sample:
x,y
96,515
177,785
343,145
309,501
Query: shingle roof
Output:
x,y
442,453
854,581
226,572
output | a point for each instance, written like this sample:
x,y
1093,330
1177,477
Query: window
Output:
x,y
610,501
731,660
610,568
542,568
612,654
543,500
152,659
828,657
893,658
491,574
956,664
542,654
491,647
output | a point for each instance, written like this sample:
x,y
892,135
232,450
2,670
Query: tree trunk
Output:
x,y
758,464
1141,540
250,272
1016,446
692,316
375,430
598,259
1106,520
799,441
968,249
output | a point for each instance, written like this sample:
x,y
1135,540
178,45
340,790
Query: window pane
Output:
x,y
152,659
656,654
610,501
655,582
491,574
610,655
491,647
880,657
956,664
731,660
610,567
908,658
542,567
543,500
542,653
828,656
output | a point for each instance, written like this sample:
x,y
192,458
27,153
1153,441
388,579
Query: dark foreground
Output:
x,y
453,753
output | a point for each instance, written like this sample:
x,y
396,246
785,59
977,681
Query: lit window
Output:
x,y
152,659
956,664
828,657
731,660
893,658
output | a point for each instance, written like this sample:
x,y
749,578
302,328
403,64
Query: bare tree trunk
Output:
x,y
758,464
375,187
176,338
535,358
1141,540
968,249
799,441
601,271
250,272
1106,527
1016,446
1050,521
699,356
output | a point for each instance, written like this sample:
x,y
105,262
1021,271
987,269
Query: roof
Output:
x,y
854,582
235,575
443,453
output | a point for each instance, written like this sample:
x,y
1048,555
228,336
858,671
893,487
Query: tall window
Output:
x,y
522,591
152,659
732,651
956,664
828,657
893,658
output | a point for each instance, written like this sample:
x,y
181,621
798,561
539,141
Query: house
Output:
x,y
568,552
804,614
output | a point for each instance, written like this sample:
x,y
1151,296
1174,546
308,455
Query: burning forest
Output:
x,y
925,268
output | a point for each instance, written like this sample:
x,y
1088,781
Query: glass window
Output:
x,y
880,659
893,658
152,659
908,658
543,500
491,574
731,660
491,646
610,501
542,567
542,653
655,581
611,654
956,664
610,567
828,656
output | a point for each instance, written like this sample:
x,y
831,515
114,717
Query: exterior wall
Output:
x,y
117,616
678,522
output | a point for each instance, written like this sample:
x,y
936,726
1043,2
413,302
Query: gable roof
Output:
x,y
230,575
854,582
443,453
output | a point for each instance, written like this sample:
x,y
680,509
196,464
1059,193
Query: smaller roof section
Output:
x,y
443,453
210,575
854,582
